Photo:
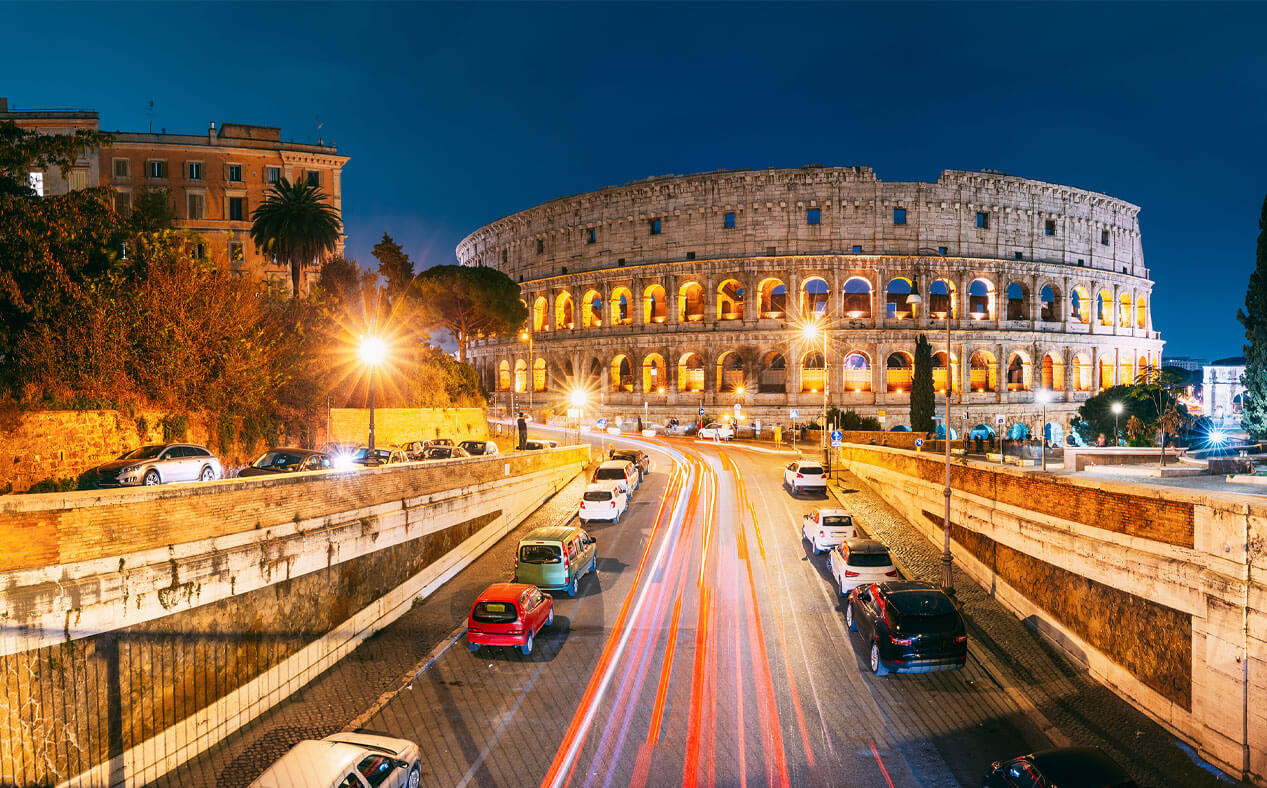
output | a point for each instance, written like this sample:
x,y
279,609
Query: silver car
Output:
x,y
160,463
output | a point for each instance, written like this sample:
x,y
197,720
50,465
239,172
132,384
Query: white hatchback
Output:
x,y
715,431
826,528
860,562
603,502
346,760
805,475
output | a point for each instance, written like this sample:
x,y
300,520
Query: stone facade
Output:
x,y
681,292
1222,391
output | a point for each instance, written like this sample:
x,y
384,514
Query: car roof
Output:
x,y
503,592
551,533
865,546
600,487
813,463
834,511
312,763
293,450
1078,767
615,464
917,598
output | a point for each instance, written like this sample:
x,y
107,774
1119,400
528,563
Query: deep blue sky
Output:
x,y
454,115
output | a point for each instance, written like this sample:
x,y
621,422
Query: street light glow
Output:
x,y
373,350
1117,408
578,398
1217,438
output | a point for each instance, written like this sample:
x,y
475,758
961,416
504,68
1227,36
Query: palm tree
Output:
x,y
297,225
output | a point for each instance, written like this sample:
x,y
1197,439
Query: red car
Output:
x,y
508,614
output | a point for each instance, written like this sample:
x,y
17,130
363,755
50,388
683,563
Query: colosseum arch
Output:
x,y
1019,372
655,379
503,376
1125,313
541,314
655,305
539,375
1053,372
1105,376
1080,305
814,296
857,373
730,372
730,300
622,307
898,369
1049,298
564,314
772,375
857,298
593,380
939,372
941,299
772,299
1017,301
621,377
813,372
1141,313
690,301
983,372
521,376
1126,368
592,309
1080,368
1104,308
896,295
690,373
981,300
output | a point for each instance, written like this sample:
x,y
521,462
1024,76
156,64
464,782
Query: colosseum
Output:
x,y
777,289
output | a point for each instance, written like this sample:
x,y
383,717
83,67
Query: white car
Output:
x,y
826,528
623,474
346,760
715,431
860,562
603,502
805,475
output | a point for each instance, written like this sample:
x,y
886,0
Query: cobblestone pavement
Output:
x,y
1080,708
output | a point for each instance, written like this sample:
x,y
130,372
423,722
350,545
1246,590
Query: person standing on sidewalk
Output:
x,y
778,434
523,431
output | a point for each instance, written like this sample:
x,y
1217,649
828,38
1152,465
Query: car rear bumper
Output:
x,y
495,639
925,664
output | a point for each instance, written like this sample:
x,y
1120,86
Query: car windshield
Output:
x,y
838,520
472,446
381,455
598,495
144,453
277,459
812,470
439,453
494,612
610,473
868,559
540,554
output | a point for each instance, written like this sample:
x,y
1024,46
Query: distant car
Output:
x,y
908,625
159,463
287,461
556,557
381,455
444,453
346,760
479,448
439,442
805,475
860,562
413,449
622,473
1065,766
826,528
723,432
509,614
638,457
602,502
537,445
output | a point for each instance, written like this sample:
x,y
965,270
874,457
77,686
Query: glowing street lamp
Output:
x,y
810,331
1043,396
1117,411
373,352
577,399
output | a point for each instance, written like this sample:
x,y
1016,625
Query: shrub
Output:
x,y
52,485
175,427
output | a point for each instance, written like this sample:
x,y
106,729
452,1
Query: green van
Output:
x,y
554,558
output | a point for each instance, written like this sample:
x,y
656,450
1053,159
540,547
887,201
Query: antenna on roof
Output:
x,y
149,113
317,120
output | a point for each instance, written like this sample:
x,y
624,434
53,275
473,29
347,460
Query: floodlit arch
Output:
x,y
654,374
1019,372
1081,370
896,296
1017,301
941,300
1080,305
655,305
1049,298
772,299
1141,313
1141,366
1124,310
541,314
983,372
690,301
730,300
621,307
899,367
772,376
939,372
730,372
592,309
539,375
593,379
814,293
690,373
1053,372
622,374
813,372
1126,369
981,298
521,376
857,371
857,298
564,316
1106,372
1104,308
503,376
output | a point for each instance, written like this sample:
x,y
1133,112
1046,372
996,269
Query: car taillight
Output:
x,y
821,533
891,573
901,641
613,504
961,638
800,476
850,574
516,631
476,630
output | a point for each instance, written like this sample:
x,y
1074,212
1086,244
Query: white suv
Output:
x,y
805,475
346,760
603,502
860,562
826,528
621,473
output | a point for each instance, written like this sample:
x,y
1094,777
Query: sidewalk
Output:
x,y
1032,670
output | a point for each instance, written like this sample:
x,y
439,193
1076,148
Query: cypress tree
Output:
x,y
1254,318
923,404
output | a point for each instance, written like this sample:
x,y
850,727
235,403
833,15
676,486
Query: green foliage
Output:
x,y
22,152
923,402
51,485
1254,318
175,427
152,211
142,427
296,224
851,420
226,429
468,302
257,428
394,266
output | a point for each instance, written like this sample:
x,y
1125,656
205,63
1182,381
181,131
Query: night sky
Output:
x,y
454,115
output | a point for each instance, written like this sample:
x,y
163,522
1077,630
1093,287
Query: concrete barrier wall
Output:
x,y
1152,589
399,425
192,609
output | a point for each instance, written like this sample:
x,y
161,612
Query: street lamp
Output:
x,y
532,369
1042,396
810,330
947,580
1117,411
373,351
577,399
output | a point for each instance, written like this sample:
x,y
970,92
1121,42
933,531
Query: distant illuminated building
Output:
x,y
1223,391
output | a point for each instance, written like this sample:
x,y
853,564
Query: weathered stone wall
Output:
x,y
399,425
1153,589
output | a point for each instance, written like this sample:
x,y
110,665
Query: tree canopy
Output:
x,y
468,302
298,225
923,402
1254,318
394,266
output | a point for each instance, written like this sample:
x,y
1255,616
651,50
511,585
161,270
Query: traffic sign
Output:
x,y
736,410
701,411
794,413
837,444
837,436
919,442
602,423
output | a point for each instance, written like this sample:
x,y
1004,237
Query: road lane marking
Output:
x,y
419,669
497,734
880,763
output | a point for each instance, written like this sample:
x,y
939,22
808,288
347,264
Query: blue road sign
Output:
x,y
795,413
919,442
837,436
701,411
602,423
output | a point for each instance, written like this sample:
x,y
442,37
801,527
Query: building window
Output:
x,y
200,251
942,250
591,236
541,246
728,222
235,173
1104,237
237,209
314,179
1049,227
78,179
899,216
857,249
655,226
122,168
122,202
36,183
1020,256
197,206
690,255
813,216
158,169
237,252
983,220
505,255
194,170
273,174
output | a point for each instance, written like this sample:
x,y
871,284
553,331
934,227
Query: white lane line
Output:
x,y
419,669
510,715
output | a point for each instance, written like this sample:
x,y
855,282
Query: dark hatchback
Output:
x,y
639,458
909,626
1064,767
287,461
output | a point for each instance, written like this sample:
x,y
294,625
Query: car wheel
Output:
x,y
550,618
415,776
849,618
207,474
572,587
526,648
474,647
877,667
151,478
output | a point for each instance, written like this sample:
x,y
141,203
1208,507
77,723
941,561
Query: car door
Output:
x,y
788,473
591,550
863,615
171,464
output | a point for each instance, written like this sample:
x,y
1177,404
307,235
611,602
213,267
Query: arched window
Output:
x,y
592,310
1124,310
1053,372
690,373
1126,369
594,378
1106,373
896,297
857,298
1019,373
1141,313
730,300
541,314
857,372
1017,302
622,374
1081,369
730,372
622,307
654,380
1049,298
773,299
813,297
1142,365
503,376
563,314
1080,305
690,303
983,372
981,299
772,378
1104,308
813,373
939,372
941,300
521,376
655,307
539,375
897,374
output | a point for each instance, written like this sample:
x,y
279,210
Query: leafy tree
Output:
x,y
22,152
394,266
1254,318
851,420
468,302
1161,388
152,211
343,283
923,404
296,224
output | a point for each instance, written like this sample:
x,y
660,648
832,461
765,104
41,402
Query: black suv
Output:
x,y
910,626
639,458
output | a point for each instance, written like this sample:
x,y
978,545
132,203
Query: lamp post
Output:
x,y
526,336
1042,396
373,350
578,402
947,580
810,330
1117,411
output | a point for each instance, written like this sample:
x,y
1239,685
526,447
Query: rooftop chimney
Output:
x,y
211,134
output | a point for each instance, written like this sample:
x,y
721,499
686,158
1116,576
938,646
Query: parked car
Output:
x,y
638,457
860,562
621,473
439,442
340,454
159,463
509,614
346,760
805,475
909,625
479,448
554,558
537,445
602,502
1064,766
381,455
826,528
287,461
413,449
715,431
444,453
